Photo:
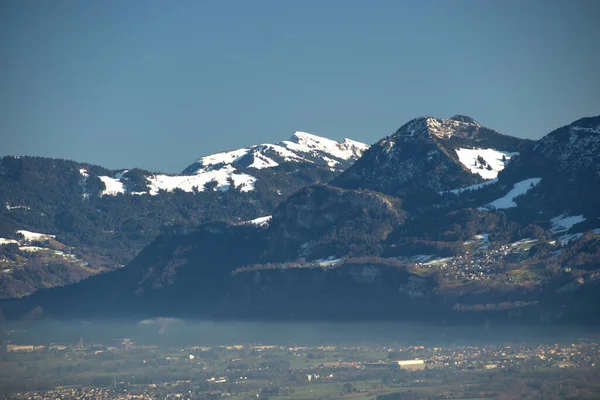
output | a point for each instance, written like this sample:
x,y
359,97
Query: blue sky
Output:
x,y
156,84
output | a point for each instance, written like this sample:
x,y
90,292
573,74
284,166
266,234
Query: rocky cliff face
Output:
x,y
315,221
573,148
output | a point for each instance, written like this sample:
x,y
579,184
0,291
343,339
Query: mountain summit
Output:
x,y
432,155
302,147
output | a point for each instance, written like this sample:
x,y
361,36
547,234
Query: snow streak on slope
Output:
x,y
260,221
566,239
507,201
113,186
563,222
261,161
485,162
11,208
472,187
31,248
83,183
34,236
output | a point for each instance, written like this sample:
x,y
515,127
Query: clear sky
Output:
x,y
156,84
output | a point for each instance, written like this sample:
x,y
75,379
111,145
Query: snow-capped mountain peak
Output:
x,y
301,147
240,168
443,128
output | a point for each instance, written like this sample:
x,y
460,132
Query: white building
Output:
x,y
411,364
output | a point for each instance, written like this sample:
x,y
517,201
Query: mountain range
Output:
x,y
445,220
99,219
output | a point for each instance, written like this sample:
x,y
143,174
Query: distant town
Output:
x,y
122,369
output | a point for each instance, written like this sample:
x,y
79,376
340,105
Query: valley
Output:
x,y
295,366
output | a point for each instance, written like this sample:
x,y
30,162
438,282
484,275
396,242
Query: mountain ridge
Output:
x,y
335,252
107,216
301,147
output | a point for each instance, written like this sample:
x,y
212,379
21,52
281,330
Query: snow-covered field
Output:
x,y
243,182
113,186
493,160
507,201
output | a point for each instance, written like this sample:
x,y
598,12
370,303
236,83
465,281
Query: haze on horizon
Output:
x,y
155,84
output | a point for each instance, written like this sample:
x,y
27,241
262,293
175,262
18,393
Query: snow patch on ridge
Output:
x,y
226,157
306,143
